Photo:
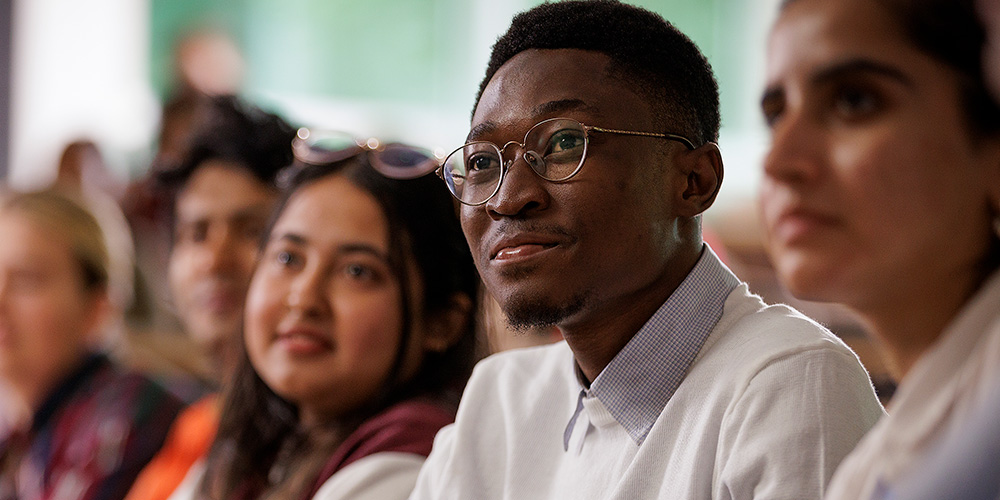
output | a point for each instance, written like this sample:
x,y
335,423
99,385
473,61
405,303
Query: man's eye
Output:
x,y
193,233
564,141
482,162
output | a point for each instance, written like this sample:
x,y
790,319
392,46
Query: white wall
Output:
x,y
79,70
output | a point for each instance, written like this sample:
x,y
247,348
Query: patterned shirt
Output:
x,y
90,437
637,384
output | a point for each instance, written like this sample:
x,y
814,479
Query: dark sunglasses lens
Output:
x,y
404,162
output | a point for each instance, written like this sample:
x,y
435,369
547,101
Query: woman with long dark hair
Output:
x,y
359,336
882,192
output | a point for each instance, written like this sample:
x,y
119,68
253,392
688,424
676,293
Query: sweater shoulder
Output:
x,y
768,330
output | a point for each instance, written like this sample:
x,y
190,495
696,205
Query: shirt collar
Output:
x,y
640,380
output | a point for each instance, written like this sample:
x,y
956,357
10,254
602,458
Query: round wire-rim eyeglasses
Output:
x,y
555,149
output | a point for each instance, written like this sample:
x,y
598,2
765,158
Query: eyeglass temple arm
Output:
x,y
673,137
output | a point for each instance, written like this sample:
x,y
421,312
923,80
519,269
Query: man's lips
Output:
x,y
520,251
523,245
220,300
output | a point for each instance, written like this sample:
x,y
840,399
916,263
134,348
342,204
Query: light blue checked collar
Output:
x,y
639,381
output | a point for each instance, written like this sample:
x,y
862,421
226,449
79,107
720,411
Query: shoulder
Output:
x,y
110,394
108,430
406,427
114,392
766,352
510,371
757,333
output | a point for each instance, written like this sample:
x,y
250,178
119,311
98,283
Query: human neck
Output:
x,y
597,338
16,410
909,322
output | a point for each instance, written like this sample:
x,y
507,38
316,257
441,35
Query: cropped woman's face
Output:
x,y
47,317
874,181
323,314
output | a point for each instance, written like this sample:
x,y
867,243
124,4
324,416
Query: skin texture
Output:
x,y
221,213
324,317
47,319
989,11
598,254
876,194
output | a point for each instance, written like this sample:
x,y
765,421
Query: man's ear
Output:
x,y
446,327
702,171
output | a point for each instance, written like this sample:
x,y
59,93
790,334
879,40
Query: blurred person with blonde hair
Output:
x,y
84,426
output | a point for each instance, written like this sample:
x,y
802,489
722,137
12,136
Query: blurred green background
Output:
x,y
423,54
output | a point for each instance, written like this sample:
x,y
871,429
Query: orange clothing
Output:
x,y
188,441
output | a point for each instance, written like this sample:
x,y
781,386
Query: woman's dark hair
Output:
x,y
259,429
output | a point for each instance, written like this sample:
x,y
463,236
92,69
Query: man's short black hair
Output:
x,y
236,132
645,50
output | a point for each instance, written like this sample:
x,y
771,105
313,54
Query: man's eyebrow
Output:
x,y
560,106
254,211
546,108
851,67
480,130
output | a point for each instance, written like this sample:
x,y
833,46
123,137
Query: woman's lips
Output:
x,y
796,225
304,342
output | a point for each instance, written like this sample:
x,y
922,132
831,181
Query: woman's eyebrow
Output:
x,y
851,67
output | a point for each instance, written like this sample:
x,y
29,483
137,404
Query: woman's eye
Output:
x,y
855,102
359,272
772,109
287,259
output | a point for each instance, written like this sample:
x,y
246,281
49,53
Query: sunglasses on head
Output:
x,y
393,160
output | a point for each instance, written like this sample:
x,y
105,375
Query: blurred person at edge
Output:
x,y
206,63
882,192
222,192
83,175
87,426
674,380
359,336
965,462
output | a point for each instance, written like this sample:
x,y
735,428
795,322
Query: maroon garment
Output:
x,y
407,427
89,439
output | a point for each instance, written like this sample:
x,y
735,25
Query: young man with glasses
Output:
x,y
591,157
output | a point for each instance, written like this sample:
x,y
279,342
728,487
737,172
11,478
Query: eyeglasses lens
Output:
x,y
554,149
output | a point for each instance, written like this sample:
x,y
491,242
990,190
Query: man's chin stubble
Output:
x,y
528,313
